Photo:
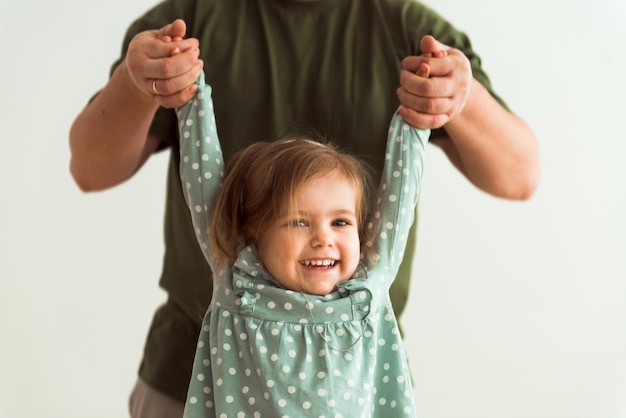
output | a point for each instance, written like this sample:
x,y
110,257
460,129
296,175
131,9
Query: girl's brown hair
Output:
x,y
262,180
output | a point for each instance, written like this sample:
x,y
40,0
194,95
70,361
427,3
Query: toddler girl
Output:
x,y
300,323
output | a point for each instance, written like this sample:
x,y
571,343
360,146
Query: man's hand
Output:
x,y
431,102
163,65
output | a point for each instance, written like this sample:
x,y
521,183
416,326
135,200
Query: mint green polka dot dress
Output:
x,y
265,351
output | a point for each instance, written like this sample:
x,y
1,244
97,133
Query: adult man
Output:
x,y
277,66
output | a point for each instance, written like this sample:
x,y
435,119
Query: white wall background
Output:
x,y
518,310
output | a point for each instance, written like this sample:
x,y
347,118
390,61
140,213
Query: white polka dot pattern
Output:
x,y
265,351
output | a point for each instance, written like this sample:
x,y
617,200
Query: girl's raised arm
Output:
x,y
201,161
398,192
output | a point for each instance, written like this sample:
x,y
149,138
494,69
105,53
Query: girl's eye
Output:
x,y
341,222
298,223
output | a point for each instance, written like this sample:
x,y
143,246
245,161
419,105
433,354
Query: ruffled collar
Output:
x,y
257,290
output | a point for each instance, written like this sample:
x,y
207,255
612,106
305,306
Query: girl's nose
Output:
x,y
322,237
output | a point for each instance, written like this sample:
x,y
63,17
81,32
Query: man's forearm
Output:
x,y
109,139
493,148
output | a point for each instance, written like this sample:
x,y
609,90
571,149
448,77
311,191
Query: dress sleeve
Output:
x,y
398,193
201,161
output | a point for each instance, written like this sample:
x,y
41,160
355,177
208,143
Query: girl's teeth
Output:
x,y
325,263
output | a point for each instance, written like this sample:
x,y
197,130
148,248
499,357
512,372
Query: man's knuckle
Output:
x,y
430,105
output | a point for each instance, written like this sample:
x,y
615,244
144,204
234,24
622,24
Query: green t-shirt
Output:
x,y
279,67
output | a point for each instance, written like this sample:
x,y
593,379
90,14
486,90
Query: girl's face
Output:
x,y
317,245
